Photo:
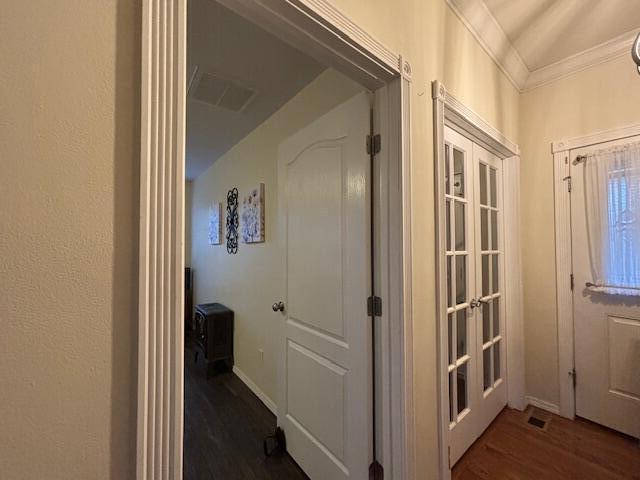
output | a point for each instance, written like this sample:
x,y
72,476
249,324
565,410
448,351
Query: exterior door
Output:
x,y
474,259
325,383
606,326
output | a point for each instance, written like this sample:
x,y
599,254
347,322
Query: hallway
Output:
x,y
566,450
225,424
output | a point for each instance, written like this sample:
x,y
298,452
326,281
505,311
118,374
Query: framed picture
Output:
x,y
252,217
215,224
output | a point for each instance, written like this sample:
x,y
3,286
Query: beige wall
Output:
x,y
69,156
250,281
600,98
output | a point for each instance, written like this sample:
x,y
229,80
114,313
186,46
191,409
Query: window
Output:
x,y
623,262
612,181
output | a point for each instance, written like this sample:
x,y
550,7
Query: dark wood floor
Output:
x,y
225,424
573,450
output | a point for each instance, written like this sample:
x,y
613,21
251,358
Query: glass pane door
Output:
x,y
475,304
490,305
490,268
460,266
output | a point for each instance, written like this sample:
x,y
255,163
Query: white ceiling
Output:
x,y
225,44
547,31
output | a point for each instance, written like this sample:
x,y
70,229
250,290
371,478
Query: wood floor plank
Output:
x,y
567,450
224,426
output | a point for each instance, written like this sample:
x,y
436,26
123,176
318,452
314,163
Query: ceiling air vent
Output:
x,y
218,91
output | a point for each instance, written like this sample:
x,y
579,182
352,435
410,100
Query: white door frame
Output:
x,y
564,299
316,27
448,111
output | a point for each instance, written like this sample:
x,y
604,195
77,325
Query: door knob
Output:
x,y
278,307
478,303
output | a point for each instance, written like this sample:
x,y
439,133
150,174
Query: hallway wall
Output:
x,y
600,98
69,195
71,83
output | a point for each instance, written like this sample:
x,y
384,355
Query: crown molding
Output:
x,y
479,20
475,15
604,52
596,138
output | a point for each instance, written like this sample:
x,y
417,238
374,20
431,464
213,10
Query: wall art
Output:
x,y
252,219
232,221
215,223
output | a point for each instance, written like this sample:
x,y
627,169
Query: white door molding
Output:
x,y
447,110
564,300
161,277
325,33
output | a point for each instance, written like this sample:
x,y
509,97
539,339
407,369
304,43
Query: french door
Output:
x,y
475,305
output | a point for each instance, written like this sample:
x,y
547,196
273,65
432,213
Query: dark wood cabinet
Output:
x,y
188,299
214,332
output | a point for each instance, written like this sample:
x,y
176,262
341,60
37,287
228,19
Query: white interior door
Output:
x,y
325,383
606,327
474,258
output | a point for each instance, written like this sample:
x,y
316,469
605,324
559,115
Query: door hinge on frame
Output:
x,y
568,180
376,471
374,144
572,280
374,306
574,377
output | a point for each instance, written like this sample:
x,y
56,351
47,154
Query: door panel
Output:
x,y
473,191
315,181
490,313
461,265
606,330
325,390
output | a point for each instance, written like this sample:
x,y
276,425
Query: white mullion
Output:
x,y
161,244
457,308
462,360
169,221
453,381
153,241
456,198
145,287
179,37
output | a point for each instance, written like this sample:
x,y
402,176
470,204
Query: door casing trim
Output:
x,y
448,111
561,150
324,32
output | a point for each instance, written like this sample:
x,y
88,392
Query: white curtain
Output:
x,y
612,191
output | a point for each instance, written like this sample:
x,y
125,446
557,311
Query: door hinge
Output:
x,y
376,471
374,306
572,280
374,144
574,377
568,180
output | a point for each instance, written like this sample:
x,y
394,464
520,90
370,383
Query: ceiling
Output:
x,y
547,31
239,76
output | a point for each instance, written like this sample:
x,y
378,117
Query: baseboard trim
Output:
x,y
270,404
542,404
